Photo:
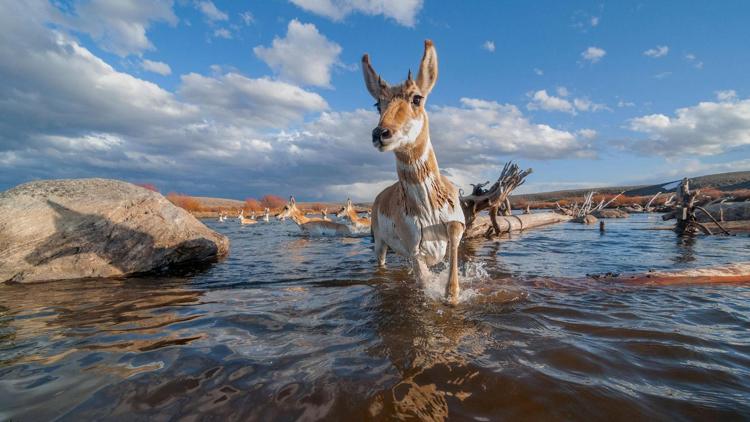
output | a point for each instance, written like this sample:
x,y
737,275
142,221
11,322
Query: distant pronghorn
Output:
x,y
311,225
324,214
244,220
222,217
266,215
349,212
419,216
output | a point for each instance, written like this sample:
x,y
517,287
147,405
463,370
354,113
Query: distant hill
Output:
x,y
722,181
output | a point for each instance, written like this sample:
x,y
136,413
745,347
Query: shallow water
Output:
x,y
296,328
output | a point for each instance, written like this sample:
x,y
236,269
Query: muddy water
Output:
x,y
295,328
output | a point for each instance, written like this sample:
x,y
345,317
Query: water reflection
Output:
x,y
421,341
685,249
298,328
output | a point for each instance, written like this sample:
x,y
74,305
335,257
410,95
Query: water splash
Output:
x,y
472,275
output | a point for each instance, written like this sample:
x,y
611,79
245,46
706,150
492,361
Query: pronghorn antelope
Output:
x,y
266,215
349,212
324,214
311,225
419,216
221,216
244,220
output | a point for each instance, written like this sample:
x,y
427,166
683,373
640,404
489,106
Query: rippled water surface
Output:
x,y
295,328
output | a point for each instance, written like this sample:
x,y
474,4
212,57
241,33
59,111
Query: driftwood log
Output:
x,y
493,199
483,226
496,201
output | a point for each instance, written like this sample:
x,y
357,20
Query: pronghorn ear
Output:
x,y
428,69
374,83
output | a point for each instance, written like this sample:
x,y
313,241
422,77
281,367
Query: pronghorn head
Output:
x,y
288,210
344,211
401,107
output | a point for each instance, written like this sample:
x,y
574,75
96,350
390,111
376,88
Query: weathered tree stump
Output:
x,y
685,212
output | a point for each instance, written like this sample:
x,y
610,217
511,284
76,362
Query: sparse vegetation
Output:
x,y
185,202
252,204
272,201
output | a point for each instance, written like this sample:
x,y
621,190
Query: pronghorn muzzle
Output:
x,y
380,136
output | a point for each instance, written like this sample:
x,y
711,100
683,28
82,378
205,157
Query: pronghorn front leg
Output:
x,y
455,232
380,251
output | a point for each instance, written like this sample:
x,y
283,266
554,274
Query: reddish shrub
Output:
x,y
185,202
712,193
740,194
272,201
252,204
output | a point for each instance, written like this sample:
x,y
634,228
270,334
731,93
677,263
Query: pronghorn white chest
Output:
x,y
430,224
417,227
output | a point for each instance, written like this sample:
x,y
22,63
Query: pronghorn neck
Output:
x,y
419,175
299,217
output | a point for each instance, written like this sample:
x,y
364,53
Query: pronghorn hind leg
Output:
x,y
455,232
381,249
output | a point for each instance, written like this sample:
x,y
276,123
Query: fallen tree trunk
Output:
x,y
732,273
483,226
494,198
728,211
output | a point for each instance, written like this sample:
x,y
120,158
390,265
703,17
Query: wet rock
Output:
x,y
66,229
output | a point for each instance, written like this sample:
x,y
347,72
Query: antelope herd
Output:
x,y
349,222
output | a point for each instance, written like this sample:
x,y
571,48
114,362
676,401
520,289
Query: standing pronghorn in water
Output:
x,y
311,225
244,220
349,212
419,216
266,215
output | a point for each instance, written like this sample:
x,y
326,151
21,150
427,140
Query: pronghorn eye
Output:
x,y
417,100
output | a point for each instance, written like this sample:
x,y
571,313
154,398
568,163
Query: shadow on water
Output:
x,y
122,247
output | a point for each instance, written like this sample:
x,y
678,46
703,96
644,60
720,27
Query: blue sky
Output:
x,y
241,98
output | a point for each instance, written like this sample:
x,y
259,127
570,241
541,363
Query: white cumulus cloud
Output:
x,y
210,11
656,52
304,56
593,54
489,46
120,26
726,95
707,128
402,11
157,67
541,100
223,33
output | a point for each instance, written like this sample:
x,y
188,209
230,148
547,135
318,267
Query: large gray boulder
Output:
x,y
65,229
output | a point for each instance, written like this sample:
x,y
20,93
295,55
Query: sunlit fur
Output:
x,y
350,213
244,220
316,226
420,216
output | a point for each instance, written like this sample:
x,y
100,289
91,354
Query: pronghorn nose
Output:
x,y
380,133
